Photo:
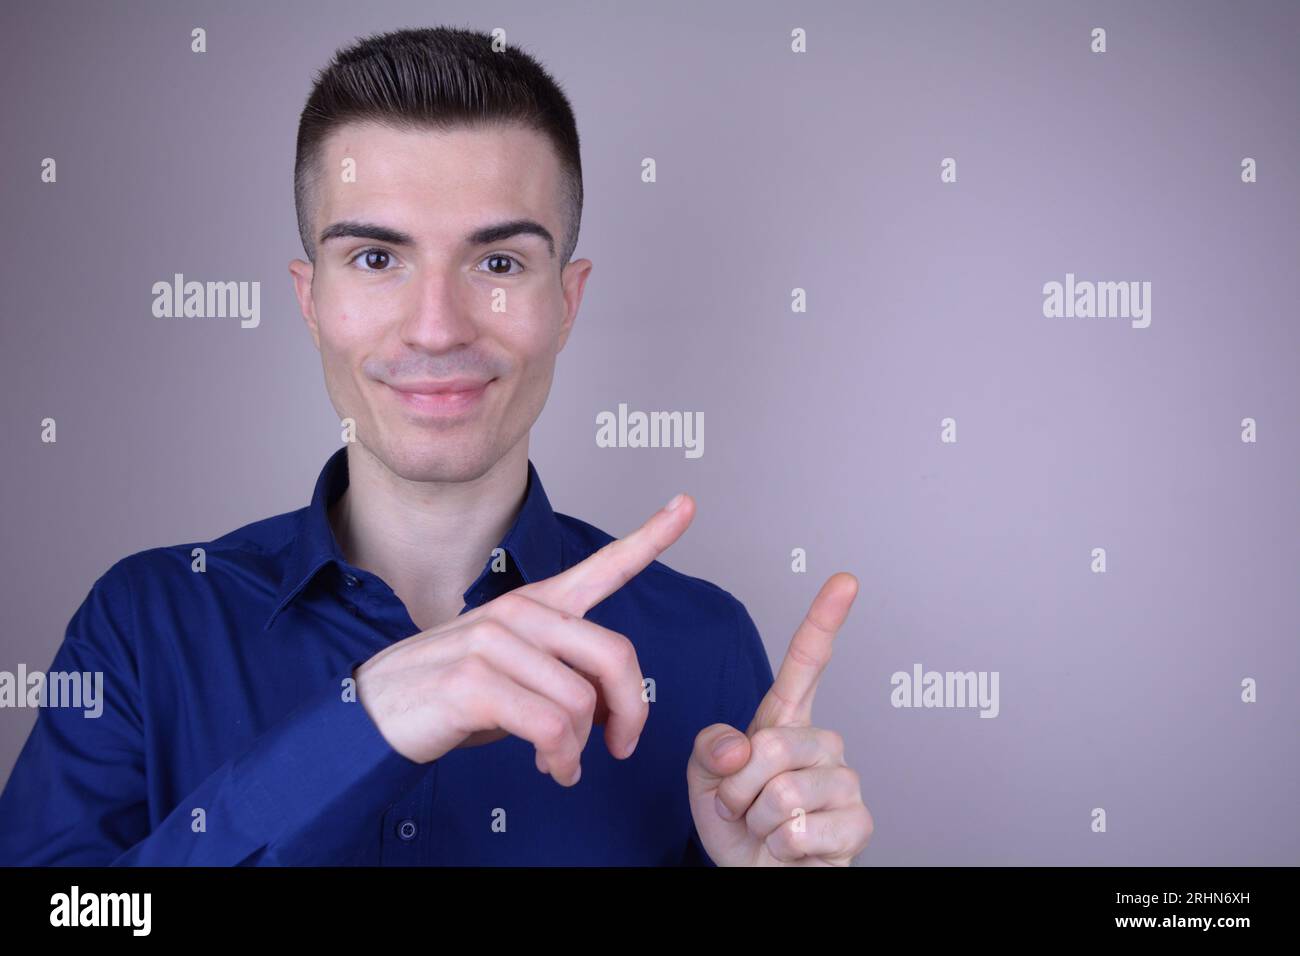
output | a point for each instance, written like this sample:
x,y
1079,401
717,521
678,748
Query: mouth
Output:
x,y
441,399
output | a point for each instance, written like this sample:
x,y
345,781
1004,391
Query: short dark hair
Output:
x,y
435,78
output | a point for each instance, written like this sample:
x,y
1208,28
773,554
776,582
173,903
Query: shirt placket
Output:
x,y
407,837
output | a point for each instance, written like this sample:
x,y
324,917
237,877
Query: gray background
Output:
x,y
821,430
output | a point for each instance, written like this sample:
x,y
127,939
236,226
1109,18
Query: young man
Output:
x,y
379,678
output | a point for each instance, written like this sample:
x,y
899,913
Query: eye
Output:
x,y
499,264
374,260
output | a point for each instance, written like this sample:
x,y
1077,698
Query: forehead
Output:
x,y
438,182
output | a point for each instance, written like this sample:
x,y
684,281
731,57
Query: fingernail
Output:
x,y
723,811
725,744
632,747
672,505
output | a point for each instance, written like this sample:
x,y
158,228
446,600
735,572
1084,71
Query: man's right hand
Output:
x,y
526,664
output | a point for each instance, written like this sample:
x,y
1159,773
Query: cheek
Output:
x,y
345,330
536,364
342,342
533,336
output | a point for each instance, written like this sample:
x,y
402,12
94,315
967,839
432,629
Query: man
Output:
x,y
407,672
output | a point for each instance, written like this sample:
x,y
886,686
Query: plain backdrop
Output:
x,y
776,171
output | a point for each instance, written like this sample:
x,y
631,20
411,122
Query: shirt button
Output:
x,y
407,829
350,580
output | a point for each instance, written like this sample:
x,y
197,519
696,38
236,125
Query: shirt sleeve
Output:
x,y
746,677
310,791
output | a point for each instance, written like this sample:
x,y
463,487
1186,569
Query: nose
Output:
x,y
440,318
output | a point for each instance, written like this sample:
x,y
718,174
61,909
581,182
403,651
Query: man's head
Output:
x,y
439,192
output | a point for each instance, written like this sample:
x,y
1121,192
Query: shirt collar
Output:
x,y
532,543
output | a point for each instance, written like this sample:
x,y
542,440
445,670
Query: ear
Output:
x,y
302,273
573,279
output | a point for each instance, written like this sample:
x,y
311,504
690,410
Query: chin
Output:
x,y
421,458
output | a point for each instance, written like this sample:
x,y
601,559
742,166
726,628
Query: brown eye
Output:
x,y
376,259
500,264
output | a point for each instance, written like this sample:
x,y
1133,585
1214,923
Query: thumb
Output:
x,y
720,750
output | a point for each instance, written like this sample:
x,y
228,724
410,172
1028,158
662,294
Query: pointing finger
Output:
x,y
789,701
583,586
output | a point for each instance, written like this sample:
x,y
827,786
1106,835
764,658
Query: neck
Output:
x,y
428,540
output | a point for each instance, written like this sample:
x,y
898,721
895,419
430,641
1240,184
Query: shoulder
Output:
x,y
260,542
146,586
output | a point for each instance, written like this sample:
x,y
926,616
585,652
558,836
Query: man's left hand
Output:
x,y
788,797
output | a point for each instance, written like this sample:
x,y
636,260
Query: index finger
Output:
x,y
590,581
789,700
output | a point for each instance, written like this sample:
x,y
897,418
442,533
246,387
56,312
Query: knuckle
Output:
x,y
552,729
781,842
511,603
471,669
731,792
834,743
833,832
770,745
786,793
848,783
584,696
488,632
477,631
625,653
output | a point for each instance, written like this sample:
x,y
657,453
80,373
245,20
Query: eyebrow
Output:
x,y
495,232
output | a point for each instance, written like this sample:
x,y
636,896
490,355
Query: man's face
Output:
x,y
431,303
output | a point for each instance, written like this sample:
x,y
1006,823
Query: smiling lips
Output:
x,y
452,397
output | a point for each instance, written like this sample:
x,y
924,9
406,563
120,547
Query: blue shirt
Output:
x,y
225,737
